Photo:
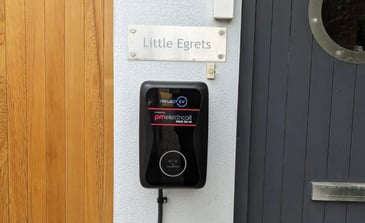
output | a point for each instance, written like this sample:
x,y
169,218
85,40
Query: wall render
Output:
x,y
213,203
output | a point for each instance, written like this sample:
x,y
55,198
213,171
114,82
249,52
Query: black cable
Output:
x,y
160,200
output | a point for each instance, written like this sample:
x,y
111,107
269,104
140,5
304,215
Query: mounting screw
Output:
x,y
220,56
133,54
133,31
339,52
222,32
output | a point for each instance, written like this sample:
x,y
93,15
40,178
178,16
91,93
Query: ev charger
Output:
x,y
173,136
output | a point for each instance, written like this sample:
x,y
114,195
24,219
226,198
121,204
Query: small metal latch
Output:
x,y
211,71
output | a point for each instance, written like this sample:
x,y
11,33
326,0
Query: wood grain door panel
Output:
x,y
56,111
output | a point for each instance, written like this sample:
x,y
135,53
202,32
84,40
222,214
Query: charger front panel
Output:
x,y
173,134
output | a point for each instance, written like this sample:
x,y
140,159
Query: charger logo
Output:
x,y
176,118
181,101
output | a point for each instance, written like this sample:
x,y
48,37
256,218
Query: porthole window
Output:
x,y
339,28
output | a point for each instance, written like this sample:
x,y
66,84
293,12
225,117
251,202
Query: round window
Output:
x,y
339,28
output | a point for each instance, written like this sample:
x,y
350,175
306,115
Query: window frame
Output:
x,y
325,41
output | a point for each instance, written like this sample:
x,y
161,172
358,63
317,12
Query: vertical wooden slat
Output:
x,y
340,134
94,117
36,107
75,109
297,114
17,110
318,131
355,212
108,112
260,111
276,132
55,103
244,111
4,179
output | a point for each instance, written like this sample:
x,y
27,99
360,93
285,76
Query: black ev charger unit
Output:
x,y
173,136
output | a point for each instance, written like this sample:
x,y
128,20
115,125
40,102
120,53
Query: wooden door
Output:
x,y
306,123
56,111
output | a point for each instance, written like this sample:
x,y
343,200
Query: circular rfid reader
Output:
x,y
172,163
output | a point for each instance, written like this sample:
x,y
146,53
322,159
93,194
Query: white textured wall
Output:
x,y
213,203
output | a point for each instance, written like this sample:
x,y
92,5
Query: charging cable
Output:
x,y
160,200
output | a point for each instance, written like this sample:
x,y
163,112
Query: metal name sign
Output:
x,y
177,43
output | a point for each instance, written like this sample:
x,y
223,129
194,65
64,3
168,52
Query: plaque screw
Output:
x,y
222,32
221,56
133,31
133,54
